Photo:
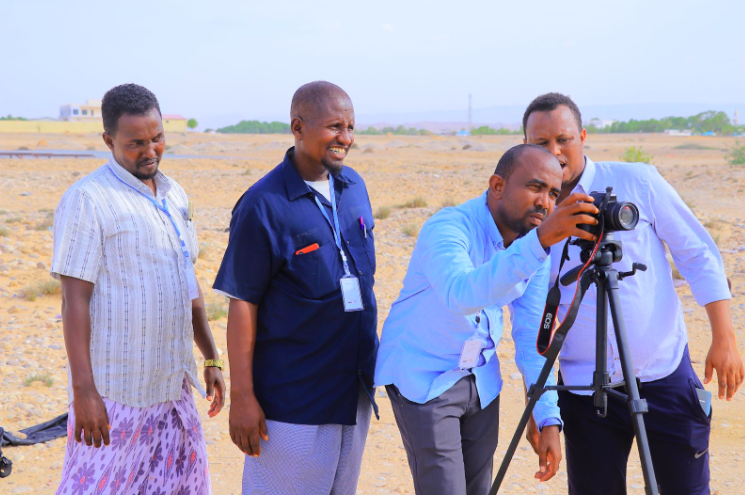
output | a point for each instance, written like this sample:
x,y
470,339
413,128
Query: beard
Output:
x,y
522,225
334,168
143,175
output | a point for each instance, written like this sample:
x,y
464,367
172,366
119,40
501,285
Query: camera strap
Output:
x,y
552,306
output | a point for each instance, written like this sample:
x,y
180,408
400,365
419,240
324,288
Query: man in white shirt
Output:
x,y
678,427
124,248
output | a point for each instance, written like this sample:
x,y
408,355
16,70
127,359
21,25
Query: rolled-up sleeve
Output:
x,y
78,238
527,311
695,254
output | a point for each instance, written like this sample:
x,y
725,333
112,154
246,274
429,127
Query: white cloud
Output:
x,y
388,27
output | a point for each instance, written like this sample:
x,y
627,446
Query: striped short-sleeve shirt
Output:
x,y
107,232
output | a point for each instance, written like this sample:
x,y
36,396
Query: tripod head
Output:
x,y
609,250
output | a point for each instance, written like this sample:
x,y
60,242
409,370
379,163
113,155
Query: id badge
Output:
x,y
191,281
351,294
469,356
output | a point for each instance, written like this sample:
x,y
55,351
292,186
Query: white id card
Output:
x,y
350,292
191,281
469,356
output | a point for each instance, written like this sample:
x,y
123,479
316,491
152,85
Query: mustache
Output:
x,y
145,163
536,209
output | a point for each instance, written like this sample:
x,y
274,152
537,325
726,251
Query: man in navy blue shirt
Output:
x,y
302,335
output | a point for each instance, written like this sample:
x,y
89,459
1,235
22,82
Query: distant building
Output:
x,y
600,124
74,112
676,132
463,132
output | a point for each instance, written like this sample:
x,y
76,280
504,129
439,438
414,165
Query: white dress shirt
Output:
x,y
655,328
107,232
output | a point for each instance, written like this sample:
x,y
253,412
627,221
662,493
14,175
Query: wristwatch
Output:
x,y
214,363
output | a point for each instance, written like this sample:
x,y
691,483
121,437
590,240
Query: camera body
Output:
x,y
614,215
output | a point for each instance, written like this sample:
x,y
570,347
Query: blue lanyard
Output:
x,y
164,209
335,225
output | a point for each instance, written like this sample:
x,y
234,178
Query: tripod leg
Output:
x,y
534,393
637,406
600,377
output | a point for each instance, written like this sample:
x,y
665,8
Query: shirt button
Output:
x,y
360,272
347,242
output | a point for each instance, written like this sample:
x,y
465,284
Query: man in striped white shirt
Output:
x,y
124,248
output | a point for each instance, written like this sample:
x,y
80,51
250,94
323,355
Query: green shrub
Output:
x,y
736,155
39,377
634,154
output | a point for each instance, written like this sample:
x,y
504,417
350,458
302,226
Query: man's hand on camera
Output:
x,y
562,223
549,453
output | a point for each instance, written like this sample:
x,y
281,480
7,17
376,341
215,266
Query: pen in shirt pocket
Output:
x,y
362,226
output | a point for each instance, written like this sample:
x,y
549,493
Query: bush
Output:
x,y
216,311
49,288
418,202
736,155
634,154
4,232
382,212
410,230
39,377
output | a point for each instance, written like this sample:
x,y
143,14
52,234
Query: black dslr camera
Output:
x,y
613,215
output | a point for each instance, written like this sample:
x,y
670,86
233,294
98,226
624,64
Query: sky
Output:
x,y
223,61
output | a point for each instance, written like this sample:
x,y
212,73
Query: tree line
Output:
x,y
704,122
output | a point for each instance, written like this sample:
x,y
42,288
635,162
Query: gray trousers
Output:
x,y
450,441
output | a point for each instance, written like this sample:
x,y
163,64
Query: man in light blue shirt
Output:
x,y
438,348
677,425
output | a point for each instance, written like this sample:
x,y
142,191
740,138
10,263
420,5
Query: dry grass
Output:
x,y
410,230
48,288
382,212
215,311
39,377
418,202
4,232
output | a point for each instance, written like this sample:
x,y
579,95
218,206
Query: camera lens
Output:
x,y
622,216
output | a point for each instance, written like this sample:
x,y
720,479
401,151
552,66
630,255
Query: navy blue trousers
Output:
x,y
597,449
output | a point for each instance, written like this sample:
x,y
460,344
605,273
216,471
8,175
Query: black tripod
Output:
x,y
600,272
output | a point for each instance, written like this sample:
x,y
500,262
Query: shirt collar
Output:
x,y
296,186
491,227
162,184
588,176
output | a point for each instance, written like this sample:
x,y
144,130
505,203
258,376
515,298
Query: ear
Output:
x,y
108,140
497,185
525,140
297,126
583,136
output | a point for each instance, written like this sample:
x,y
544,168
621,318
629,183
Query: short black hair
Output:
x,y
549,102
511,159
309,96
126,99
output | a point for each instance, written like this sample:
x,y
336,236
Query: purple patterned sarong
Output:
x,y
156,450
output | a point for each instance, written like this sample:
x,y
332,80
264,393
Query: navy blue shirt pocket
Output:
x,y
317,273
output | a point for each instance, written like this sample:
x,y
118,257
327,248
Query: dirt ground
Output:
x,y
439,170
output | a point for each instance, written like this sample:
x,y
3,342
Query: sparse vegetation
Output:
x,y
634,154
4,232
48,288
256,127
215,311
410,229
15,219
693,146
44,378
736,155
192,124
205,250
418,202
448,202
382,212
47,223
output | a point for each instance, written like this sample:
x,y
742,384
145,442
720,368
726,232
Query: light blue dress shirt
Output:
x,y
459,278
652,311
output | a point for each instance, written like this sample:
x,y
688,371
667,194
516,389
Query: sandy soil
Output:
x,y
397,169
